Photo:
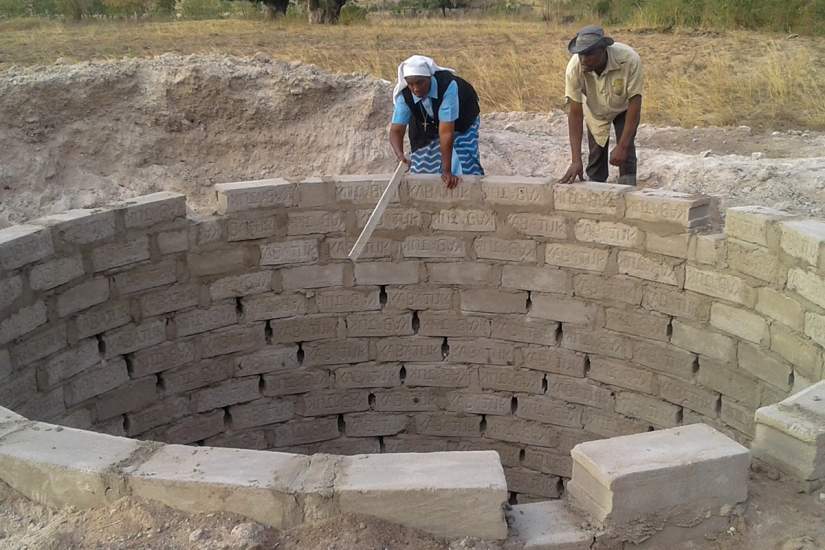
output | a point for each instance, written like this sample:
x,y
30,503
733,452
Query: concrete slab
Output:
x,y
655,477
10,421
548,525
449,494
791,435
255,484
63,466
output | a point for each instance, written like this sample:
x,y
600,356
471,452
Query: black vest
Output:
x,y
468,110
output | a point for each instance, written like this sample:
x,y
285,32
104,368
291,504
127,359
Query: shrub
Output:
x,y
353,14
201,9
12,8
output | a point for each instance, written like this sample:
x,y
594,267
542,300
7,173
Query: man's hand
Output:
x,y
575,169
450,180
619,155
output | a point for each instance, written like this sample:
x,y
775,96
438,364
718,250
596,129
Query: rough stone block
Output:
x,y
738,417
437,375
333,402
22,322
765,367
779,307
386,273
547,461
708,249
315,221
108,376
436,323
336,352
704,342
68,363
547,359
5,364
17,390
539,225
248,195
739,322
619,373
406,400
592,198
250,228
373,425
479,403
719,285
302,329
81,226
347,300
241,285
639,322
563,309
618,288
756,261
448,425
815,327
162,357
576,257
659,269
157,415
301,432
409,348
508,428
376,247
145,276
550,410
669,245
791,435
517,191
462,273
520,480
798,350
418,298
55,273
808,285
494,248
10,289
457,219
511,379
191,429
170,242
548,526
273,306
231,340
609,233
64,466
659,205
269,359
578,390
152,209
134,395
728,380
647,408
196,375
24,244
599,342
611,425
689,395
296,251
524,329
660,477
426,188
294,381
223,261
433,247
755,224
173,298
379,324
494,301
230,392
370,375
42,344
804,239
118,254
244,440
358,189
481,350
202,320
674,302
83,296
542,279
393,218
260,412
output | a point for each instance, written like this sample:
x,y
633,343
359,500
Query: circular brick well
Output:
x,y
507,314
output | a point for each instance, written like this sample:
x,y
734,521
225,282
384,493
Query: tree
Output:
x,y
273,7
324,11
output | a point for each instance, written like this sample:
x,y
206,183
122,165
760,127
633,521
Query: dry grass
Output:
x,y
692,78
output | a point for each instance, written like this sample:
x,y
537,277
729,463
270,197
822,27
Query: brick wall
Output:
x,y
505,314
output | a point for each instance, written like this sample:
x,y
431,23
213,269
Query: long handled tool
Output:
x,y
375,217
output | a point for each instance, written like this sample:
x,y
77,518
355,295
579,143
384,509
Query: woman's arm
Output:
x,y
397,132
446,135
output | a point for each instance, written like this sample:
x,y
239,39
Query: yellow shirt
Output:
x,y
608,94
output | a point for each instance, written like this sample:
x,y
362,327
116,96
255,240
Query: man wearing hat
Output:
x,y
603,85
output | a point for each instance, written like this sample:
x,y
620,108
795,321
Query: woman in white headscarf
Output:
x,y
442,113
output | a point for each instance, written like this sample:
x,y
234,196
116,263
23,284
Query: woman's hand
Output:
x,y
450,180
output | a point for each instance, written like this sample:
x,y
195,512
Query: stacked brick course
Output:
x,y
506,314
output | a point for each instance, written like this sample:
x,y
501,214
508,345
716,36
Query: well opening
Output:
x,y
508,314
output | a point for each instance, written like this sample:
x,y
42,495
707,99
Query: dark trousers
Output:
x,y
599,158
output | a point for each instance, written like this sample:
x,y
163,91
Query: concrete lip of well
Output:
x,y
508,316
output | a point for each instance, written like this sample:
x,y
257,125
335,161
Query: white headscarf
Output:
x,y
416,65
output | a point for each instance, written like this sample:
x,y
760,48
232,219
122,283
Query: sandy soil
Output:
x,y
87,134
777,518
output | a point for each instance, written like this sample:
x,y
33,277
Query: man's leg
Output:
x,y
627,171
596,159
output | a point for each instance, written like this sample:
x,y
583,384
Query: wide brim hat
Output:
x,y
588,39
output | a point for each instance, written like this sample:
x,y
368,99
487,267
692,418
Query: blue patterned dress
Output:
x,y
427,159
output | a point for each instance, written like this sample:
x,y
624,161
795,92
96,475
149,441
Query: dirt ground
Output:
x,y
777,518
86,134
